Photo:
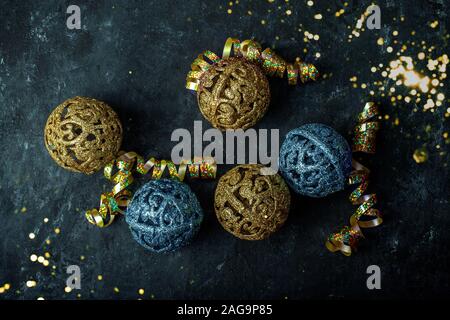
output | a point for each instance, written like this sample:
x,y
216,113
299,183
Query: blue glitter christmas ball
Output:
x,y
315,160
164,215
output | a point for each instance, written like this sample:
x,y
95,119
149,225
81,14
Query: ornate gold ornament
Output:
x,y
232,90
83,134
233,94
250,205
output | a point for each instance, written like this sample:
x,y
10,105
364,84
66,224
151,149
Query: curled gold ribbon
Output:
x,y
114,202
365,216
271,63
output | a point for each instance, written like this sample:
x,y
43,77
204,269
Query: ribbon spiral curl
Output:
x,y
271,63
365,215
114,202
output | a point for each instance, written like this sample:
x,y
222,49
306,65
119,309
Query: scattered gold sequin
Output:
x,y
420,155
434,24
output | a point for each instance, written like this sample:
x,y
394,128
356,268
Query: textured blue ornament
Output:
x,y
164,215
315,160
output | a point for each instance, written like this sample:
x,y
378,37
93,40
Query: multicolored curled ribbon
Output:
x,y
365,215
271,63
114,202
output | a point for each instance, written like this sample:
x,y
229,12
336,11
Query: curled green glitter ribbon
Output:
x,y
114,202
366,216
270,62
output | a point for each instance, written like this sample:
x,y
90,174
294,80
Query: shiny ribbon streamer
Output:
x,y
114,202
366,216
270,62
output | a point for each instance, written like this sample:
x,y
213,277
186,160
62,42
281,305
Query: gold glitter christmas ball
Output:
x,y
251,205
233,94
83,134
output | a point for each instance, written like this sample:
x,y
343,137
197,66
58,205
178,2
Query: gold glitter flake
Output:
x,y
434,24
420,155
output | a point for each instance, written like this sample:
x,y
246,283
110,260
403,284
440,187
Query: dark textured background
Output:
x,y
42,63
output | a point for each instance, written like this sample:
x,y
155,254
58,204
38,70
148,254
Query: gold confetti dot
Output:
x,y
33,257
45,263
389,49
380,41
288,12
310,3
47,255
23,210
373,69
100,277
434,24
31,283
420,155
57,230
116,290
421,55
32,236
263,22
318,16
230,11
67,289
141,291
45,220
